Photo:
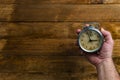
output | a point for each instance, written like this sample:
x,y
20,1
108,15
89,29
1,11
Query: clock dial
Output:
x,y
90,40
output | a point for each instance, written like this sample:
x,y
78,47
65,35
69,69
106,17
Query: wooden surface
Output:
x,y
37,38
60,1
59,13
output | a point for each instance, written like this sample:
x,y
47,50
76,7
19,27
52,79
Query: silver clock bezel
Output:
x,y
100,35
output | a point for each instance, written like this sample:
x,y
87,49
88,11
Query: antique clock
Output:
x,y
90,39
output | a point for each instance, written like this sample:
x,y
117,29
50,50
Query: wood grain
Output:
x,y
37,38
44,64
24,76
52,66
48,1
49,30
61,13
6,11
63,76
59,2
51,47
45,47
111,1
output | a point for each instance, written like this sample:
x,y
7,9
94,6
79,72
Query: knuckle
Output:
x,y
109,33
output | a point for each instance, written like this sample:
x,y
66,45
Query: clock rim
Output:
x,y
101,41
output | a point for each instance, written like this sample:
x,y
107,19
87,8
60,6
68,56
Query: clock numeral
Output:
x,y
94,47
97,36
82,35
90,48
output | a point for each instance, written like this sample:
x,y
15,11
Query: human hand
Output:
x,y
106,51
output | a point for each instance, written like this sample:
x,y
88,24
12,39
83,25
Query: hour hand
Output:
x,y
94,40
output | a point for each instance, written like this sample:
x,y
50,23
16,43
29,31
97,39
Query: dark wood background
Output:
x,y
37,37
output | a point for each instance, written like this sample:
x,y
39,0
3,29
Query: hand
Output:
x,y
106,51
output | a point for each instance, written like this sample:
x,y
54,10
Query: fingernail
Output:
x,y
76,44
78,31
87,25
102,29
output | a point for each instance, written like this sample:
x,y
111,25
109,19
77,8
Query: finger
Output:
x,y
87,25
82,53
78,31
107,35
76,43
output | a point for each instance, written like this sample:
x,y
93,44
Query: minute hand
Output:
x,y
89,36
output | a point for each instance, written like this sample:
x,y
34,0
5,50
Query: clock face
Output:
x,y
90,40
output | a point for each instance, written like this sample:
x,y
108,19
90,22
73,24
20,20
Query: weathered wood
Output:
x,y
49,1
62,76
50,30
44,64
45,47
7,1
111,1
58,1
24,76
36,48
26,46
61,13
49,65
6,11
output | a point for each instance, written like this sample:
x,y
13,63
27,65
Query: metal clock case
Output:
x,y
90,39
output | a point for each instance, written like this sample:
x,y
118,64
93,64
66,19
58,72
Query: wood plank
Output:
x,y
39,46
44,64
59,2
111,1
49,65
52,66
7,1
45,47
6,12
48,1
62,13
50,30
26,76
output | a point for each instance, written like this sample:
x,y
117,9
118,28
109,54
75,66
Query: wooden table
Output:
x,y
37,37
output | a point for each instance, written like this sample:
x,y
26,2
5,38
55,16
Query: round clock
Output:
x,y
90,39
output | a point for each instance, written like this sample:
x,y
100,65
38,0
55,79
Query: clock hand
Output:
x,y
89,37
94,40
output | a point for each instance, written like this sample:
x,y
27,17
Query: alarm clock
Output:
x,y
90,39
